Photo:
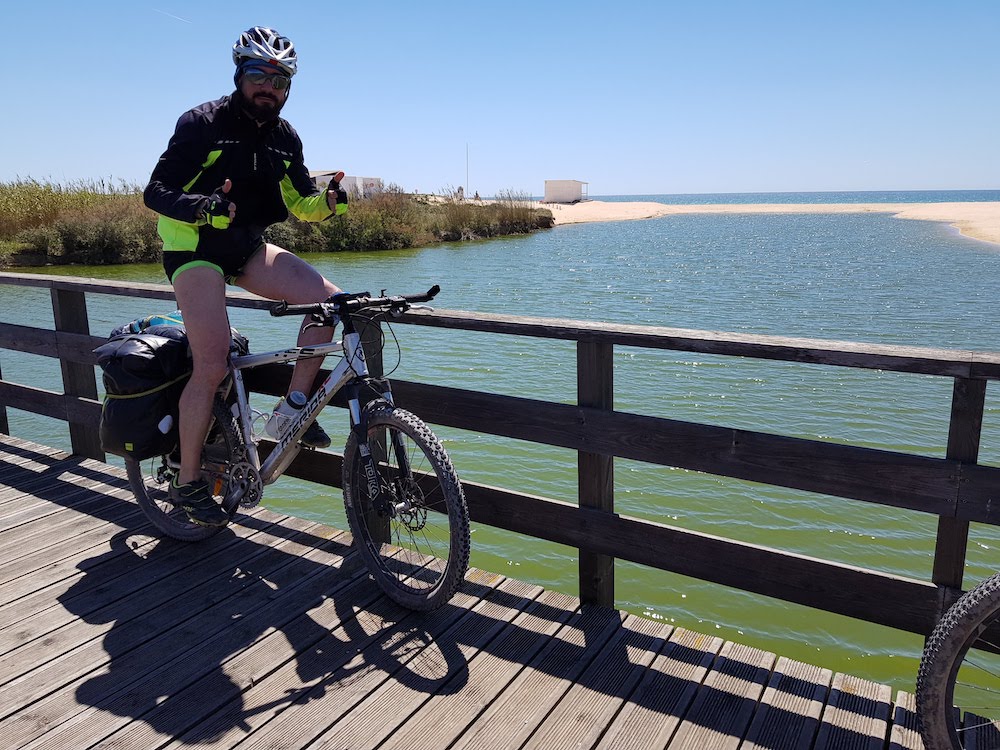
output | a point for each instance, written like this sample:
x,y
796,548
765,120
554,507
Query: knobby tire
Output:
x,y
958,683
418,552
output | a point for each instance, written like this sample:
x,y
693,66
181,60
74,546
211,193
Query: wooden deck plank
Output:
x,y
514,715
271,635
789,713
21,511
22,468
598,694
904,734
37,554
34,670
489,673
724,707
149,695
856,716
390,655
431,670
82,585
665,694
82,520
441,679
354,622
18,455
133,646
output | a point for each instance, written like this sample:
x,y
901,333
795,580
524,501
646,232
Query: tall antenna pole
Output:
x,y
466,167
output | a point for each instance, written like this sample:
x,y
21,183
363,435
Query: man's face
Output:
x,y
264,90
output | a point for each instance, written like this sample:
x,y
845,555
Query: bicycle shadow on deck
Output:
x,y
189,629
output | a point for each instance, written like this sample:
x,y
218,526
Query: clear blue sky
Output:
x,y
633,97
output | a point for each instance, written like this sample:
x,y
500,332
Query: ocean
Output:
x,y
855,277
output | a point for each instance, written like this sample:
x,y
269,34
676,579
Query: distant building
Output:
x,y
565,191
357,187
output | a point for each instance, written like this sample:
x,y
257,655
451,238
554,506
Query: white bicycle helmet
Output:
x,y
267,46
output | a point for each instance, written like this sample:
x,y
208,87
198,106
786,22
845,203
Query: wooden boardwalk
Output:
x,y
270,636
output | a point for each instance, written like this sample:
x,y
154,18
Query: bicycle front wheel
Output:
x,y
409,521
224,450
958,684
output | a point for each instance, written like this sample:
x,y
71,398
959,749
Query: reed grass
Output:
x,y
106,222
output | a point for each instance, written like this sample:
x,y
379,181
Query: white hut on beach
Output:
x,y
358,187
565,191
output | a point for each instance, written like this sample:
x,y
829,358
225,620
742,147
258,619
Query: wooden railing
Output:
x,y
956,488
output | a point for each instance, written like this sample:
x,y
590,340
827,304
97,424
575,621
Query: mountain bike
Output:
x,y
404,501
958,683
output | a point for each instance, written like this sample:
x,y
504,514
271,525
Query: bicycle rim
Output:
x,y
149,479
416,545
958,685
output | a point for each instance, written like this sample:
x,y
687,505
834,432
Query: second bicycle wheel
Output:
x,y
410,521
958,685
224,449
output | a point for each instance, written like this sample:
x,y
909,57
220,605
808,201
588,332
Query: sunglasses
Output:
x,y
276,80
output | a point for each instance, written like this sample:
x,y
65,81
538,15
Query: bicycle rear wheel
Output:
x,y
958,684
224,449
414,533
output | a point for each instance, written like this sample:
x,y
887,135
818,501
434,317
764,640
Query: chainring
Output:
x,y
244,483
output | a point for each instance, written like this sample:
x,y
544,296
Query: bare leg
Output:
x,y
278,274
201,296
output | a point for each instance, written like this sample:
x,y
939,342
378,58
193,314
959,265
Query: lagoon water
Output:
x,y
856,277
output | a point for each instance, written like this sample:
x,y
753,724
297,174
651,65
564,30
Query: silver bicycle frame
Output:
x,y
351,366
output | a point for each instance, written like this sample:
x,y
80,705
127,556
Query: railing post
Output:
x,y
370,330
596,472
964,432
69,310
4,424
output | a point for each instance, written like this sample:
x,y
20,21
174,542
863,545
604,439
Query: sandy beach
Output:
x,y
979,221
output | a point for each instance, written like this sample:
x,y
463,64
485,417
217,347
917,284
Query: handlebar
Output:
x,y
343,304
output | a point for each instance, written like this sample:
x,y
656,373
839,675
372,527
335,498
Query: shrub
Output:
x,y
118,229
100,222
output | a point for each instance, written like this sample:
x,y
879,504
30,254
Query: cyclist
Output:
x,y
232,168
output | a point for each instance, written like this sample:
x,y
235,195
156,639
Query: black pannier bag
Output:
x,y
144,374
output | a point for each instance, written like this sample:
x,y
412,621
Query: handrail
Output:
x,y
956,488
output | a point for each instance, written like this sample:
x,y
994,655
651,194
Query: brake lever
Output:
x,y
397,311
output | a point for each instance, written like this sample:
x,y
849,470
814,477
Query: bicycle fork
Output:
x,y
388,500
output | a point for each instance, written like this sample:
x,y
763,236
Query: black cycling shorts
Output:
x,y
225,250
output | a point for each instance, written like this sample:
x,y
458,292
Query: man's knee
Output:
x,y
328,290
209,369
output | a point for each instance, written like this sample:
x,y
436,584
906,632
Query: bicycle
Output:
x,y
958,682
404,501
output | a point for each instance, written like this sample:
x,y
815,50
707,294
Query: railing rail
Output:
x,y
955,488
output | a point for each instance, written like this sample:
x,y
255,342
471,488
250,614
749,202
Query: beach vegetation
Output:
x,y
106,222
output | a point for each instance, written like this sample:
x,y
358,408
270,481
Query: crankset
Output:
x,y
245,486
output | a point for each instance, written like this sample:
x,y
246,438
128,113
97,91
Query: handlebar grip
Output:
x,y
425,297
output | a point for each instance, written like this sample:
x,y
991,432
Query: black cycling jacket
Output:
x,y
218,140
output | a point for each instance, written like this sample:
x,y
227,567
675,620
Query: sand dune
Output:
x,y
980,221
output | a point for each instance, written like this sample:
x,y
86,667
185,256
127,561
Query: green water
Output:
x,y
857,277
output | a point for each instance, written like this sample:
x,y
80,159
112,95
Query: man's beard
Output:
x,y
263,108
